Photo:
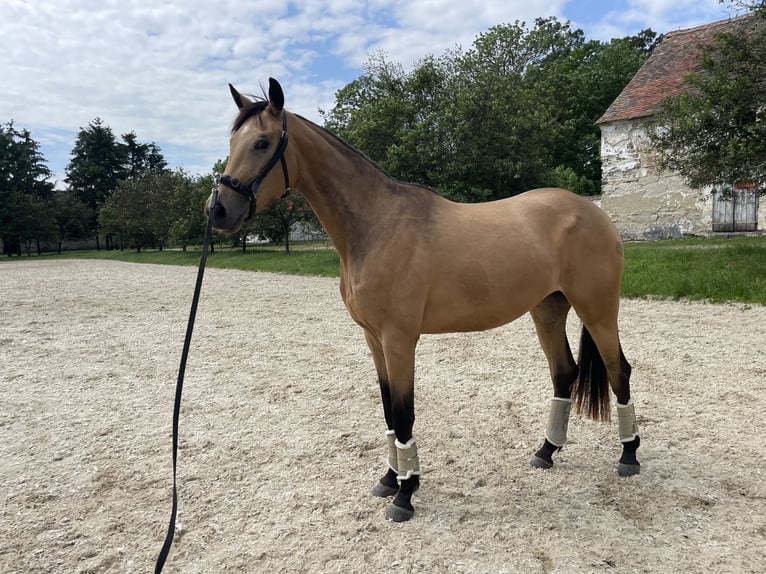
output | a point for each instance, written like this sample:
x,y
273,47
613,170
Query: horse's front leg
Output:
x,y
396,370
388,484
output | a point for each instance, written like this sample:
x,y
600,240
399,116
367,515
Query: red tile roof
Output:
x,y
663,73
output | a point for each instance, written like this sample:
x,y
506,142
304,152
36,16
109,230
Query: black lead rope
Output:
x,y
180,382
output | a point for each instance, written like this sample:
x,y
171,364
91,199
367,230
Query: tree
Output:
x,y
517,110
99,162
25,191
714,133
187,201
140,157
577,89
137,212
276,223
506,123
34,224
746,5
71,217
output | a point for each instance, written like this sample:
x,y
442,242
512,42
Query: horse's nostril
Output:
x,y
219,212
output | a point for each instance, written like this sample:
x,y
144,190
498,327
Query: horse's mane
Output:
x,y
350,147
255,107
360,155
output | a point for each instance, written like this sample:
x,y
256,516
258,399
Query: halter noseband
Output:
x,y
249,190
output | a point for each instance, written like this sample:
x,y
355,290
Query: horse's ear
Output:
x,y
239,99
276,96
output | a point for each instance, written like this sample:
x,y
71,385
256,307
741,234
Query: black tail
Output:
x,y
591,389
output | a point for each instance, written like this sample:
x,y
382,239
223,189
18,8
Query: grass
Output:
x,y
303,259
716,270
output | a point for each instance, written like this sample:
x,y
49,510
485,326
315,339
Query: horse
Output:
x,y
413,262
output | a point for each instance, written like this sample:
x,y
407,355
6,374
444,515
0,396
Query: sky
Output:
x,y
160,68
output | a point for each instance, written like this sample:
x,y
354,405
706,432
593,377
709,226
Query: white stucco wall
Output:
x,y
643,203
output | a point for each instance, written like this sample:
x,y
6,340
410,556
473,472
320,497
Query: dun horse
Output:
x,y
412,262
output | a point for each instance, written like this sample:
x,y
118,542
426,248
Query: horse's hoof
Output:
x,y
384,491
628,469
537,462
398,514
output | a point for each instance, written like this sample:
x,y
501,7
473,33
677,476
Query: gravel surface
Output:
x,y
282,435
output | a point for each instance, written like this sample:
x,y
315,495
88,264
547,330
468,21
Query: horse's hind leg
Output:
x,y
602,360
550,317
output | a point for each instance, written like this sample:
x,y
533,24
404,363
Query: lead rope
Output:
x,y
180,382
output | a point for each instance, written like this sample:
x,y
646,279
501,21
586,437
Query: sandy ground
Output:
x,y
282,436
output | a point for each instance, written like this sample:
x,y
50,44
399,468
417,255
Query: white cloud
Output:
x,y
160,68
662,16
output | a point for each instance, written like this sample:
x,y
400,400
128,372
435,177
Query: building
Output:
x,y
643,201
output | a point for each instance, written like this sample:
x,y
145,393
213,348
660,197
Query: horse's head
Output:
x,y
256,174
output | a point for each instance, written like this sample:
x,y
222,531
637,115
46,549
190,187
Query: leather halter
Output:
x,y
249,190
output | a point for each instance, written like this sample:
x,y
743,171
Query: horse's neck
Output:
x,y
347,192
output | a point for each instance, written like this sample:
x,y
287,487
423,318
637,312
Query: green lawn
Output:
x,y
304,258
717,270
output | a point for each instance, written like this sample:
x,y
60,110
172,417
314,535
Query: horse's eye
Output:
x,y
261,144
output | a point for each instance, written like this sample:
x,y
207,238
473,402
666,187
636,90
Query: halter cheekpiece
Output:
x,y
249,190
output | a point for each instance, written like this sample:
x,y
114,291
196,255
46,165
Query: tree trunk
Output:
x,y
287,238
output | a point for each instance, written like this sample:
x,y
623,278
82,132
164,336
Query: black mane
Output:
x,y
254,108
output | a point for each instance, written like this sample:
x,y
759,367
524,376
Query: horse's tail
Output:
x,y
590,394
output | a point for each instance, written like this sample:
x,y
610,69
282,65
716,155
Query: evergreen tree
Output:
x,y
96,165
25,191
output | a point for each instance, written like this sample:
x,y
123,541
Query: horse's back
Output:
x,y
471,267
548,219
489,263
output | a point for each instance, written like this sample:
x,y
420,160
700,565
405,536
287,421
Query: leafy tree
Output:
x,y
576,90
506,125
714,133
275,223
99,162
34,224
515,111
137,212
25,191
71,217
187,201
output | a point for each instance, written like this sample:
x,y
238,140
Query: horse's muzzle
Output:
x,y
221,218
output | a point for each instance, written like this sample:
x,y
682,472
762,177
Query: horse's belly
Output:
x,y
472,311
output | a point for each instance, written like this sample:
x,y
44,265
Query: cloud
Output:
x,y
160,68
630,16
